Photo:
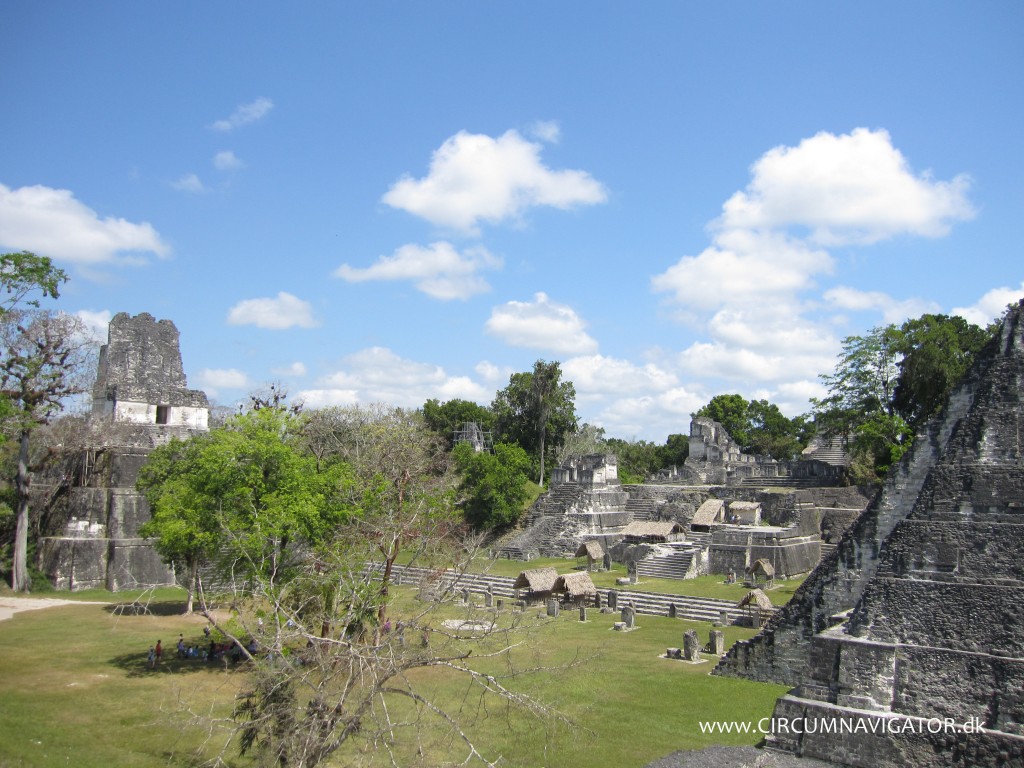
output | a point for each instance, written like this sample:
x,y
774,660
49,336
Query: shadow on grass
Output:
x,y
143,608
136,665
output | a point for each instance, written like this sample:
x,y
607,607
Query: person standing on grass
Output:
x,y
151,659
159,652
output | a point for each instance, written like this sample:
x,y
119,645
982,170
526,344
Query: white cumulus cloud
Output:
x,y
51,222
295,369
852,188
284,311
541,324
598,374
991,306
97,324
245,114
379,375
892,310
744,267
189,183
227,161
753,289
476,178
438,269
214,380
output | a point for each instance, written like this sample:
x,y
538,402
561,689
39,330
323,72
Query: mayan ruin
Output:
x,y
914,614
535,385
140,400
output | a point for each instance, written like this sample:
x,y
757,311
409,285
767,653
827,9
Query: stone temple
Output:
x,y
912,631
140,400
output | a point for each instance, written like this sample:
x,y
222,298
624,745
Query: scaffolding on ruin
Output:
x,y
471,432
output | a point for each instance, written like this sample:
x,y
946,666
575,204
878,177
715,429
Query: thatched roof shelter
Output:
x,y
756,597
575,585
646,530
536,580
763,568
741,506
709,513
591,549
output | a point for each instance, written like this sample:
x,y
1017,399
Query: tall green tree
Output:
x,y
25,278
888,382
184,491
731,412
936,352
245,492
493,485
536,410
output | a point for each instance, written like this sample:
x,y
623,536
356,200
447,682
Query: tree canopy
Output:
x,y
245,492
537,410
758,426
493,484
448,417
888,382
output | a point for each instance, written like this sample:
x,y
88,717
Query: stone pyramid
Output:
x,y
911,634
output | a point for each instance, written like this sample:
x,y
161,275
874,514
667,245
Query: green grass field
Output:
x,y
75,690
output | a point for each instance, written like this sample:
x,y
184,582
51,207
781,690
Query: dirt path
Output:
x,y
11,605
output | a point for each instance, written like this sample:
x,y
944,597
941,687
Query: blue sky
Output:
x,y
392,202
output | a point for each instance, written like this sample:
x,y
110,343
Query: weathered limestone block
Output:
x,y
716,642
691,646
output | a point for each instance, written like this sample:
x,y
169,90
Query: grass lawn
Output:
x,y
75,690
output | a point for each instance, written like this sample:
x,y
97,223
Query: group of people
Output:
x,y
230,650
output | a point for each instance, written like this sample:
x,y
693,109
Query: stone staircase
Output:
x,y
643,509
673,565
651,603
831,452
782,481
698,538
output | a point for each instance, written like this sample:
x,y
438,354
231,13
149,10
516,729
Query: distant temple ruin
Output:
x,y
734,509
140,400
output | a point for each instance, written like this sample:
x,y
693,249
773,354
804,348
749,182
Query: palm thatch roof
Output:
x,y
575,585
708,512
646,529
762,566
591,549
758,598
739,506
536,579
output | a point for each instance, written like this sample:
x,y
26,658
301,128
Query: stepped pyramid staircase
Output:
x,y
674,562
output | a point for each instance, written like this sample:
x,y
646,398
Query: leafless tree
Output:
x,y
44,360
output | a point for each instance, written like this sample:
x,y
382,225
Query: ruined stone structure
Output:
x,y
715,458
140,379
724,526
916,615
734,549
140,400
585,502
